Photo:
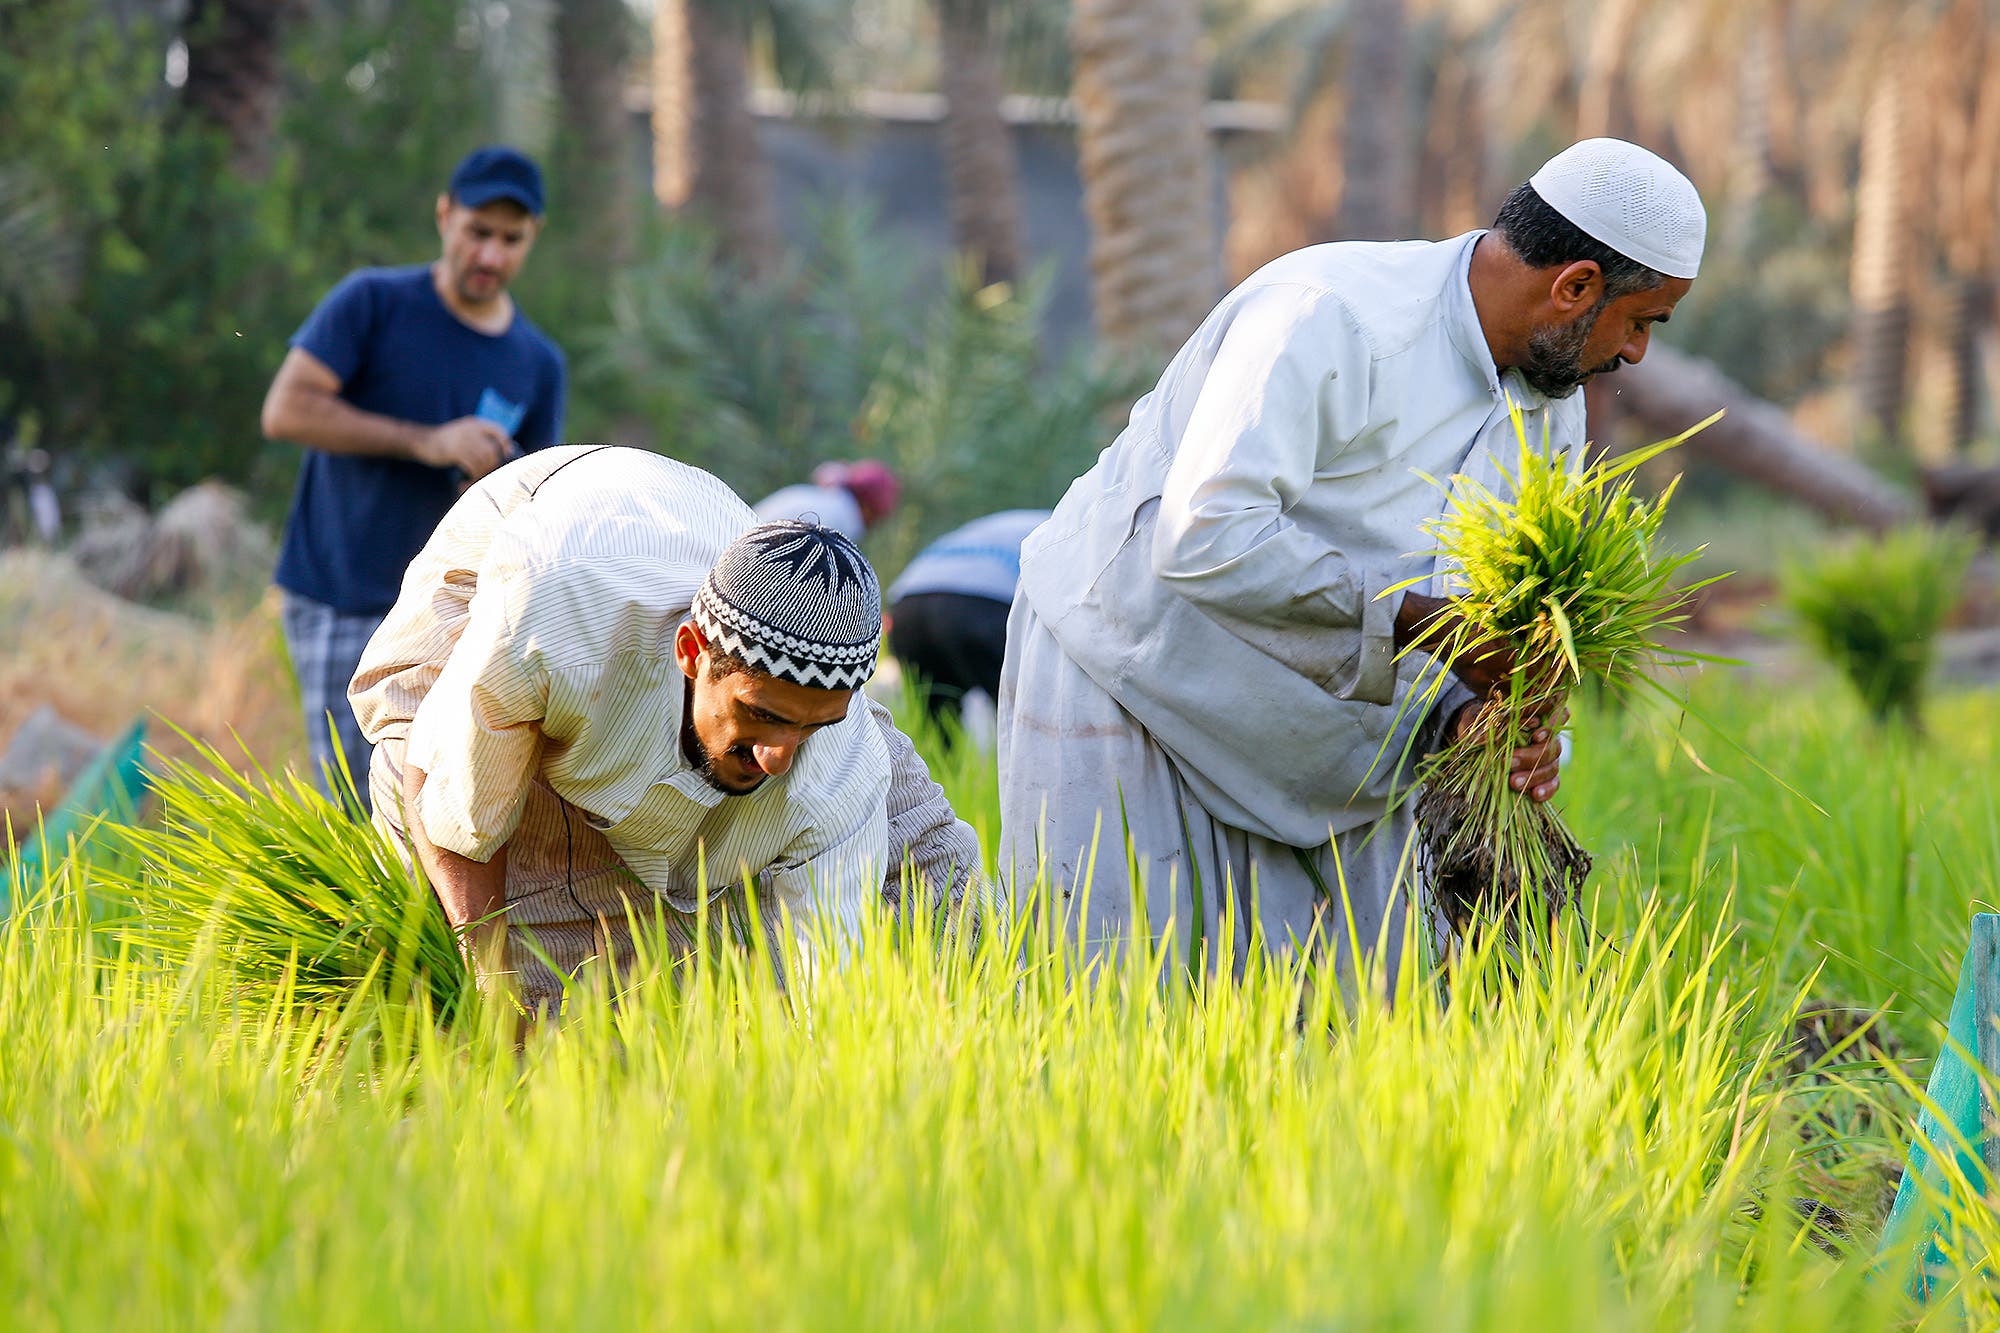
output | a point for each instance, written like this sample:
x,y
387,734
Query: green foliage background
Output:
x,y
151,344
1874,608
147,291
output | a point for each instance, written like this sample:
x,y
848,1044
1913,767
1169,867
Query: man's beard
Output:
x,y
703,762
1554,367
467,294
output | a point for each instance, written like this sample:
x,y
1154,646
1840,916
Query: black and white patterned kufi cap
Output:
x,y
796,601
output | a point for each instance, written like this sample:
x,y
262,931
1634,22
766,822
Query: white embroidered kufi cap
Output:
x,y
1632,200
797,601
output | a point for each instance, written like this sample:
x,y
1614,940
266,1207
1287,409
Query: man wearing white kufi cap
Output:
x,y
1198,652
605,695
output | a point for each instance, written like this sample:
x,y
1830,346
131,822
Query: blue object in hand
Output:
x,y
507,416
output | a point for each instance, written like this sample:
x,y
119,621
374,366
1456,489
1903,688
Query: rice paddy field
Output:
x,y
1690,1111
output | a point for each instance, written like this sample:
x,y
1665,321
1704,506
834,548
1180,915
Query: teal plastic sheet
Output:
x,y
110,787
1959,1118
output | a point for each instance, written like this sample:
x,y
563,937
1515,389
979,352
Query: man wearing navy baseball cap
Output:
x,y
404,385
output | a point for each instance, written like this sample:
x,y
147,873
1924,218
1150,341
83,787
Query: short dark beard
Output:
x,y
1554,367
698,756
465,293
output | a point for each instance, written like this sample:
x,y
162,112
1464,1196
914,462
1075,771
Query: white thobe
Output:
x,y
1200,651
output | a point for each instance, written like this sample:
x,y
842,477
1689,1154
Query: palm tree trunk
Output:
x,y
234,72
978,150
1452,179
1750,152
1375,198
1603,103
520,62
1967,312
1670,391
1882,259
594,160
706,155
1783,138
1147,176
1965,104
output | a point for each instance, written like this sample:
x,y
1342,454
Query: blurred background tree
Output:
x,y
707,156
961,233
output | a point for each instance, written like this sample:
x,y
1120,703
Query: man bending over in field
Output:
x,y
603,692
1208,648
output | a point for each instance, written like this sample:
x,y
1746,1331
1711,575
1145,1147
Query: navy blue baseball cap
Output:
x,y
498,172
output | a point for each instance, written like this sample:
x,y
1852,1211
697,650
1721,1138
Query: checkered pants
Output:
x,y
326,647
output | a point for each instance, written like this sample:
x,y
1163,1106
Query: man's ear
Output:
x,y
689,647
1576,287
443,211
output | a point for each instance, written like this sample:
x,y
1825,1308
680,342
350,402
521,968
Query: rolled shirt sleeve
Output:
x,y
477,735
1286,393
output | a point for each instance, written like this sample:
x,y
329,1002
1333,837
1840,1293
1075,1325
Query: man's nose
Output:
x,y
775,759
1634,350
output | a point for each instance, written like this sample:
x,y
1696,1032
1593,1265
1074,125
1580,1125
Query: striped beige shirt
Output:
x,y
528,664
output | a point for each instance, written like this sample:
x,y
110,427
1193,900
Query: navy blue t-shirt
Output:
x,y
358,521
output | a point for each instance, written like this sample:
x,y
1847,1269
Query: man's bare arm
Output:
x,y
304,405
1536,769
1425,623
473,893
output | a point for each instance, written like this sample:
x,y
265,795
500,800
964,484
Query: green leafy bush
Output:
x,y
852,350
1873,607
753,381
147,289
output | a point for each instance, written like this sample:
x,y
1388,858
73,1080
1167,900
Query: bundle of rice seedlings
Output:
x,y
1873,608
1567,576
273,883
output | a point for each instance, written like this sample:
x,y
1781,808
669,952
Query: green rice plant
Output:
x,y
278,883
996,1135
1859,852
1567,578
996,1138
1873,606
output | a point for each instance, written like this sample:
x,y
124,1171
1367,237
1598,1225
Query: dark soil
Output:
x,y
1470,878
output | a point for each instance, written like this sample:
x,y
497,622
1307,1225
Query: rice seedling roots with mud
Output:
x,y
1471,877
1471,872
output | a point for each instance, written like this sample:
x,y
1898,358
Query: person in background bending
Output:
x,y
948,610
850,498
404,385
